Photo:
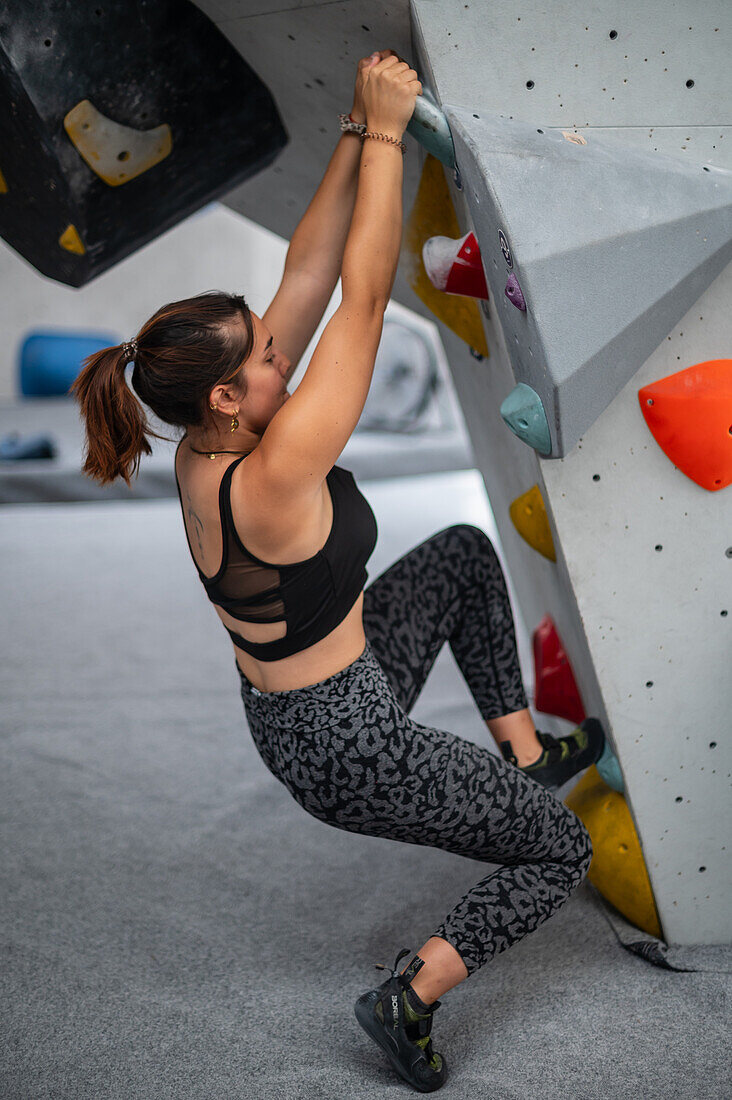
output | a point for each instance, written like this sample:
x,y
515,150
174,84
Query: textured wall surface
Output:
x,y
641,589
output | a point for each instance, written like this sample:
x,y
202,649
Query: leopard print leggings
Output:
x,y
350,755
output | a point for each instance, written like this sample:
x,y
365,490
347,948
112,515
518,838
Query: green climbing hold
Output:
x,y
524,413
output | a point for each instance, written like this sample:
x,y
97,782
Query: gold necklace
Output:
x,y
212,454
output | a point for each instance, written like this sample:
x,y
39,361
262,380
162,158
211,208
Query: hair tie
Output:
x,y
130,349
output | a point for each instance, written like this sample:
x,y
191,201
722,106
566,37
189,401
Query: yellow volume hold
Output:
x,y
433,215
71,241
116,153
529,517
618,869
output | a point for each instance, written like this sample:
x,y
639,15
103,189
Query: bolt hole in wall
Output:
x,y
612,35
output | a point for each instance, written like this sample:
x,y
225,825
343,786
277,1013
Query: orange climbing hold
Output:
x,y
689,414
556,690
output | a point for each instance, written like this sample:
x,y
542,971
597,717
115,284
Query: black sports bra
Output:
x,y
312,596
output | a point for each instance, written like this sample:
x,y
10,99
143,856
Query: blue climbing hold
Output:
x,y
609,769
524,413
431,129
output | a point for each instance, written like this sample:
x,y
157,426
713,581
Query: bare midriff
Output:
x,y
199,480
331,654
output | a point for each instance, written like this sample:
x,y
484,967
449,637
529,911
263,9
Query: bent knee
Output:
x,y
584,847
474,537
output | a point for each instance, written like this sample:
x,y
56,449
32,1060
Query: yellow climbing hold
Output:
x,y
529,517
432,215
71,241
115,152
618,869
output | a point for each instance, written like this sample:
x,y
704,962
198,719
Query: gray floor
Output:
x,y
175,925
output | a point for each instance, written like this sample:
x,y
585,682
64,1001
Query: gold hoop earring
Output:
x,y
213,406
234,421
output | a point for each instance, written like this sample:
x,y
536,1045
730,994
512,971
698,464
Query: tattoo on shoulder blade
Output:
x,y
197,523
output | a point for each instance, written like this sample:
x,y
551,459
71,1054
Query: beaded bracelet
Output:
x,y
385,137
349,126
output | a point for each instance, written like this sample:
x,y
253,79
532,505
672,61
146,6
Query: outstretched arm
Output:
x,y
315,255
318,243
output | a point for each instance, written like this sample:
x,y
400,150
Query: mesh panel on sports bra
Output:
x,y
305,599
242,590
243,587
246,588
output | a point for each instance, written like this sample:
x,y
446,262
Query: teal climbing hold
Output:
x,y
609,769
431,129
524,413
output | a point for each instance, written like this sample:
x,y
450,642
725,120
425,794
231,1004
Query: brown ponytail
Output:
x,y
183,351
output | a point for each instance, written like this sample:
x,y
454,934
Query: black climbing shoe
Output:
x,y
562,757
403,1034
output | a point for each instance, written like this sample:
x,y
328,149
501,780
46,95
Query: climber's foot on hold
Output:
x,y
562,757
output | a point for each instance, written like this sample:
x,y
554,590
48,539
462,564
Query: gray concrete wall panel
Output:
x,y
633,86
610,248
640,592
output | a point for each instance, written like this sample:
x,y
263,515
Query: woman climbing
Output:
x,y
280,536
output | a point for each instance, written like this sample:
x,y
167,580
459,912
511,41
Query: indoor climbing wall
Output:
x,y
579,164
568,223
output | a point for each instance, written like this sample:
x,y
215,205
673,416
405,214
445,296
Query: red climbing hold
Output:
x,y
689,415
556,689
455,266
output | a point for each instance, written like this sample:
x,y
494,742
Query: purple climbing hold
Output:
x,y
513,292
